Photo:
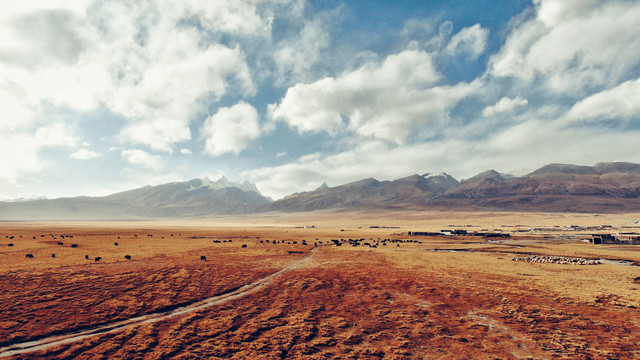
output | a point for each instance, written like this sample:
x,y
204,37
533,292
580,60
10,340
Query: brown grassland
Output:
x,y
402,300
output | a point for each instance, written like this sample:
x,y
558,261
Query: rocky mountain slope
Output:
x,y
410,191
604,187
198,197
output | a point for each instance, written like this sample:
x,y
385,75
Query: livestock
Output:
x,y
244,245
60,243
98,258
128,257
30,256
74,245
53,255
116,244
203,258
10,244
86,257
557,260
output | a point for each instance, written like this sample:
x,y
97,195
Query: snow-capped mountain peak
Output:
x,y
223,183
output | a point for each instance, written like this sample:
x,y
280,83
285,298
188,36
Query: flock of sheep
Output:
x,y
557,260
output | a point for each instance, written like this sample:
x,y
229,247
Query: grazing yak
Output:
x,y
98,258
86,257
202,257
30,256
53,255
128,257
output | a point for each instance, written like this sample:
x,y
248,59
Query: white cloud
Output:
x,y
21,150
504,105
470,41
231,129
241,17
15,112
185,151
84,154
384,101
621,102
55,135
24,158
143,159
296,58
573,45
163,97
53,32
138,60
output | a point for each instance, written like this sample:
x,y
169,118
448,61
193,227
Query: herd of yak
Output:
x,y
353,242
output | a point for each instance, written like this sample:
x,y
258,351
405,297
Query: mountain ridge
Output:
x,y
604,187
193,198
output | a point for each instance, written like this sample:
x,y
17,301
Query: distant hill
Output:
x,y
198,197
411,191
602,188
605,187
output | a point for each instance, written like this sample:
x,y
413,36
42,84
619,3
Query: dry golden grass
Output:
x,y
405,301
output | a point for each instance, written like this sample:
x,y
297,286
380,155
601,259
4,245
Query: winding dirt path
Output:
x,y
73,336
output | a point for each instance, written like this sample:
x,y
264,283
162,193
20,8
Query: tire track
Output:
x,y
73,336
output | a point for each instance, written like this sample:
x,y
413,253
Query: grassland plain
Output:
x,y
399,299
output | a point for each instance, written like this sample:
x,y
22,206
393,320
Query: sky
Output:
x,y
101,96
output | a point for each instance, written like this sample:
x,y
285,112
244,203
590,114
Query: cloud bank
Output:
x,y
291,93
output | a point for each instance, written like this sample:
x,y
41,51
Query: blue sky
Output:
x,y
104,96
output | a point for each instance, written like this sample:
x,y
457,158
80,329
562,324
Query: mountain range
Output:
x,y
194,198
602,188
